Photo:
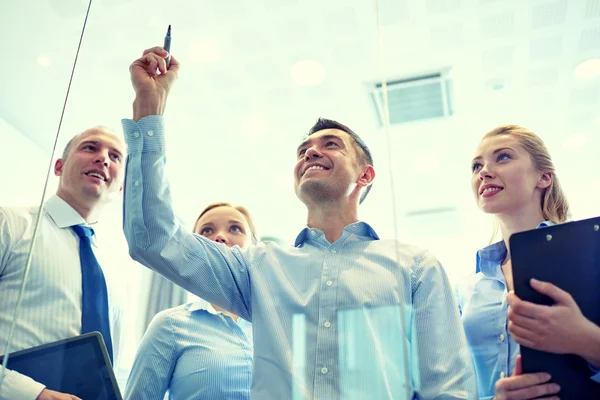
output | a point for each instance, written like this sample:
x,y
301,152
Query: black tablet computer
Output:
x,y
79,366
568,256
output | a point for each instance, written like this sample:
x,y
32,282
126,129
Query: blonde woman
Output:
x,y
513,178
197,350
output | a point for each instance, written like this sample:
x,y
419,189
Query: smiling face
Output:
x,y
504,179
328,167
93,170
225,224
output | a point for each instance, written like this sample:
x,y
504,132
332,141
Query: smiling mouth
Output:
x,y
490,190
96,175
315,167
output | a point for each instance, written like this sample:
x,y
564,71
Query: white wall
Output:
x,y
24,166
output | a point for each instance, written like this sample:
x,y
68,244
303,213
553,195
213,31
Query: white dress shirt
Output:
x,y
51,307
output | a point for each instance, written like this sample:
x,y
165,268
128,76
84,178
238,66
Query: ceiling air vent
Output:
x,y
415,99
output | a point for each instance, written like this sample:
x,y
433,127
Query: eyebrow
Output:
x,y
231,221
322,138
95,143
495,152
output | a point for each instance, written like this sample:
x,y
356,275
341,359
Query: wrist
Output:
x,y
589,345
146,104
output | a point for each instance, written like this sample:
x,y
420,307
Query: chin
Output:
x,y
491,208
314,190
94,192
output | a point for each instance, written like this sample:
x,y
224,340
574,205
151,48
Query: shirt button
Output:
x,y
324,370
333,251
136,183
136,134
329,283
150,133
313,232
502,375
327,324
502,337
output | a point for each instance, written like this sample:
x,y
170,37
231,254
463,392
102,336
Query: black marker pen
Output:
x,y
167,46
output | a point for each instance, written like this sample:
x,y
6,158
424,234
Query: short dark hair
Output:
x,y
360,146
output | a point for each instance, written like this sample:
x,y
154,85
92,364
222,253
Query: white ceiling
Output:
x,y
511,61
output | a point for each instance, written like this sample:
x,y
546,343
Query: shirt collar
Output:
x,y
491,256
63,215
358,228
202,305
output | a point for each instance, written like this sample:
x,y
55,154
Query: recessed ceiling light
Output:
x,y
575,141
588,69
254,127
43,61
496,87
205,51
307,73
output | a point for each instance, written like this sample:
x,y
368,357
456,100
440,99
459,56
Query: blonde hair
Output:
x,y
241,209
555,206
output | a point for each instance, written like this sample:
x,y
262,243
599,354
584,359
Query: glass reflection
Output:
x,y
255,76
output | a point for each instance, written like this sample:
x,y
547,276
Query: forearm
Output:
x,y
589,348
145,207
18,386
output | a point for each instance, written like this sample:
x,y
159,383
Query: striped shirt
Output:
x,y
51,308
193,352
343,320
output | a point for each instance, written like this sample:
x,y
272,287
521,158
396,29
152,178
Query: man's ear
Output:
x,y
58,167
545,180
367,176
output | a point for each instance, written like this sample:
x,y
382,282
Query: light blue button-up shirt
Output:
x,y
484,310
327,317
482,302
194,352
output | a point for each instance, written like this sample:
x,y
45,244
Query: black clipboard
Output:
x,y
79,366
568,256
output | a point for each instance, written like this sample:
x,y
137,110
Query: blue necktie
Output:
x,y
94,297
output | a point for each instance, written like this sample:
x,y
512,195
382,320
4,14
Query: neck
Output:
x,y
332,218
89,211
235,317
522,220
